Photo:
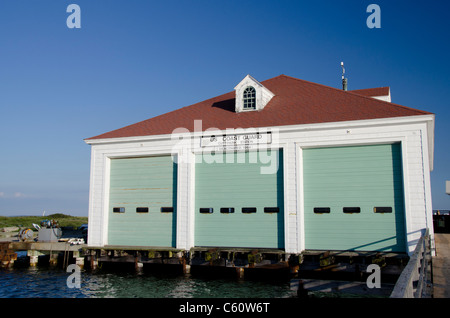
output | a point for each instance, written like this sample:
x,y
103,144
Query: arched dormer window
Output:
x,y
251,95
249,98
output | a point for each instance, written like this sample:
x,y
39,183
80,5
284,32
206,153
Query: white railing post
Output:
x,y
415,271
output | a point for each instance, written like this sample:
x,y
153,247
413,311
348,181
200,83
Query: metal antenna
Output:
x,y
344,80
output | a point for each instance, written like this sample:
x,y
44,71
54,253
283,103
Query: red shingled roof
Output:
x,y
295,102
371,92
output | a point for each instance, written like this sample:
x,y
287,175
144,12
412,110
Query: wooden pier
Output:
x,y
54,252
441,266
240,262
342,272
424,276
345,273
198,260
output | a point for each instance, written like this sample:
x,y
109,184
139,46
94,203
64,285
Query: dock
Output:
x,y
343,272
441,266
52,252
240,262
67,250
424,276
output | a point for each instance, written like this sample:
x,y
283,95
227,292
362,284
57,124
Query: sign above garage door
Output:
x,y
236,141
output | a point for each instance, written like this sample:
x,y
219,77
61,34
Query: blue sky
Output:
x,y
135,59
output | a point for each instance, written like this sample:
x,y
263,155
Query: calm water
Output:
x,y
52,283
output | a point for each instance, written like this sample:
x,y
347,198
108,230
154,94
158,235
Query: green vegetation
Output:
x,y
27,221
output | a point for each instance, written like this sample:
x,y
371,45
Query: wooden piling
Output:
x,y
53,259
7,256
78,259
240,272
33,256
93,259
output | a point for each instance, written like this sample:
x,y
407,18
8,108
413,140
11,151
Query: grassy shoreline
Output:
x,y
27,221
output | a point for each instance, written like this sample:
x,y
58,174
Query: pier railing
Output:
x,y
415,279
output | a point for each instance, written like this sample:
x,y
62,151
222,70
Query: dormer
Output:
x,y
251,95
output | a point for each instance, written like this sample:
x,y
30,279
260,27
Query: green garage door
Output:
x,y
354,198
142,202
236,205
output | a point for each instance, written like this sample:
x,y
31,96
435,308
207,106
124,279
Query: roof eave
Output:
x,y
427,118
